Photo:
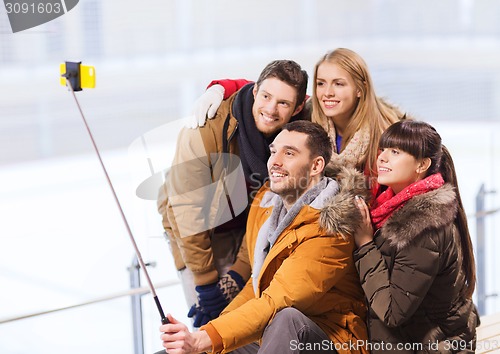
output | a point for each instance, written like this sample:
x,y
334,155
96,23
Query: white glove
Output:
x,y
206,106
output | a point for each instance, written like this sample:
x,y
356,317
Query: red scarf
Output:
x,y
387,203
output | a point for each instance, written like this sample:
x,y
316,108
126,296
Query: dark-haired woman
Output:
x,y
414,258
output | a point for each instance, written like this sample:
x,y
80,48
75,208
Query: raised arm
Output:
x,y
205,107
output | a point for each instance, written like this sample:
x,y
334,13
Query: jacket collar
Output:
x,y
432,210
340,215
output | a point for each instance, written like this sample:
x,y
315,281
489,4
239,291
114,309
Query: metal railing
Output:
x,y
135,283
480,216
135,292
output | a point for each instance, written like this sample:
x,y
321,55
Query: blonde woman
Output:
x,y
345,105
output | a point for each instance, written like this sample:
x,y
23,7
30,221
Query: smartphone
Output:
x,y
85,74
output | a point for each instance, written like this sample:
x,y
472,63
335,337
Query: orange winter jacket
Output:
x,y
310,267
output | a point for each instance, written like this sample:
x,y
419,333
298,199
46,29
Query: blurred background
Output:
x,y
66,262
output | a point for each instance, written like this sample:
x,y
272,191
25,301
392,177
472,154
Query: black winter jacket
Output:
x,y
413,280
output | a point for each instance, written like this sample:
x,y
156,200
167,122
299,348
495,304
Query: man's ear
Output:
x,y
318,165
424,165
255,90
299,108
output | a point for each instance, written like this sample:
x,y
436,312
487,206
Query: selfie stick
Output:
x,y
164,320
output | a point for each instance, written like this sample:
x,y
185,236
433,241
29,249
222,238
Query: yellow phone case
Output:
x,y
87,75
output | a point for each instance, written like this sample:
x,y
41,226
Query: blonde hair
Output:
x,y
371,111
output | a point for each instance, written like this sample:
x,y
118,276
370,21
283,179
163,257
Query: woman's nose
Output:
x,y
382,156
330,91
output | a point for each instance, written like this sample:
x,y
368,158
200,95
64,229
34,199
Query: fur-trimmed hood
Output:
x,y
340,215
431,210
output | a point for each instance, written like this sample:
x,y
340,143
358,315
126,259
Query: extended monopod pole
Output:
x,y
69,84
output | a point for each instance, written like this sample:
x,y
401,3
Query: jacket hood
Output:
x,y
340,215
424,212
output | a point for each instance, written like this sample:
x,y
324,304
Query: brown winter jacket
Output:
x,y
412,277
197,164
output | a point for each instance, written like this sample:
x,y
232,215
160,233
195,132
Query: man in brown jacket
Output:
x,y
216,170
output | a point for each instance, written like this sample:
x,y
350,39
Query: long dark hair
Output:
x,y
421,140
